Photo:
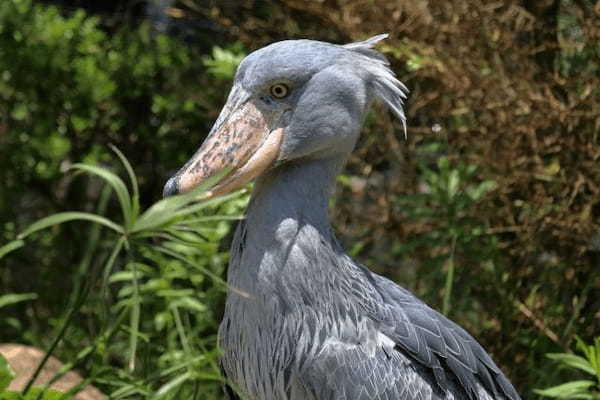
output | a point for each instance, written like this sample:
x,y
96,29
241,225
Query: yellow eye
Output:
x,y
279,90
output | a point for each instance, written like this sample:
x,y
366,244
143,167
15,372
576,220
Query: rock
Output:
x,y
25,359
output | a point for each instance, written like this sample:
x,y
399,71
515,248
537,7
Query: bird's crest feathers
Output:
x,y
386,87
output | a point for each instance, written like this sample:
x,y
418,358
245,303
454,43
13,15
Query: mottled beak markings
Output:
x,y
241,139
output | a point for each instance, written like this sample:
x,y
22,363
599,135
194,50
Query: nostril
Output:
x,y
171,187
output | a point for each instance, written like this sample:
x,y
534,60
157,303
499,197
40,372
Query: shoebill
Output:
x,y
303,320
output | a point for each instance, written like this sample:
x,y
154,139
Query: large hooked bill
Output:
x,y
241,140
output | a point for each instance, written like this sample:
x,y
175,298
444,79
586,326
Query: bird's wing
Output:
x,y
410,352
434,341
347,372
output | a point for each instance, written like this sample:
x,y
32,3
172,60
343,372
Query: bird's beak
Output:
x,y
242,140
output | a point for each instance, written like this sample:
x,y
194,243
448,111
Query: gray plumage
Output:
x,y
302,319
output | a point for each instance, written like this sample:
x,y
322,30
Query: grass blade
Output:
x,y
6,374
65,324
11,246
135,318
116,183
172,385
161,213
180,330
81,276
211,218
59,218
132,178
449,279
110,263
193,208
164,211
573,361
566,390
111,260
13,298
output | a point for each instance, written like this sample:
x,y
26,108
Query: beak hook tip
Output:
x,y
171,187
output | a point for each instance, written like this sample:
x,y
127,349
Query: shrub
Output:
x,y
589,364
141,308
164,268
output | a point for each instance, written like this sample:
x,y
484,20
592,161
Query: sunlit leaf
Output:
x,y
132,179
60,218
9,299
190,303
134,322
11,246
166,210
453,182
172,385
6,373
116,183
567,390
194,208
573,361
108,267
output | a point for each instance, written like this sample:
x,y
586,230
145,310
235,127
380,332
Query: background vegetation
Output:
x,y
489,211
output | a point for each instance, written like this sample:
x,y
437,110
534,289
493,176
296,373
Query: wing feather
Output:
x,y
437,343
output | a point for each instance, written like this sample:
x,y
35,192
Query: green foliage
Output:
x,y
34,394
224,62
589,364
9,299
60,102
164,267
6,374
448,193
141,296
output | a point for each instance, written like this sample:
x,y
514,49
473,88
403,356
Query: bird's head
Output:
x,y
291,100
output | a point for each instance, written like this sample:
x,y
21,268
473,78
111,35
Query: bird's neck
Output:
x,y
298,191
287,224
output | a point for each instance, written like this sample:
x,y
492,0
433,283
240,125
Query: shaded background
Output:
x,y
489,210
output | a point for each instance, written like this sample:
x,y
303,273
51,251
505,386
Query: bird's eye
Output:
x,y
279,90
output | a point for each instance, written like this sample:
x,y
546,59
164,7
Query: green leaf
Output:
x,y
111,261
190,303
212,218
161,212
121,276
443,163
132,179
11,396
171,385
11,246
223,62
47,394
9,299
567,390
134,321
116,183
453,182
6,373
165,210
592,354
573,361
194,208
59,218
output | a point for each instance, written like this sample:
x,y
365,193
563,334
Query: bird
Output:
x,y
302,319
